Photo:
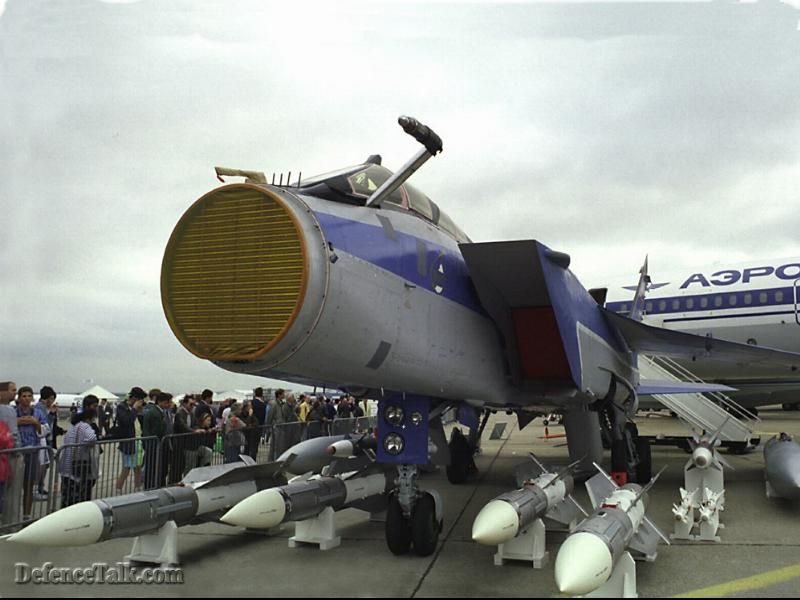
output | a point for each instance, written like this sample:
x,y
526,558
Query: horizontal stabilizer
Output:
x,y
648,387
664,342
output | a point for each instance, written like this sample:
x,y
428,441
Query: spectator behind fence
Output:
x,y
9,489
47,396
186,444
252,430
157,423
207,441
128,425
78,463
32,423
204,406
233,436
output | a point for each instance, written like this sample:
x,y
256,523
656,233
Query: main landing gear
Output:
x,y
413,517
631,459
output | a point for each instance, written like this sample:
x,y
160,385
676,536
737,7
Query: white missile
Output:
x,y
206,492
306,499
506,516
586,559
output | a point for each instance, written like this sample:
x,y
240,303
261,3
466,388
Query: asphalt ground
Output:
x,y
759,555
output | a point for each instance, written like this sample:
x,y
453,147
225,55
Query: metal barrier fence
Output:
x,y
115,467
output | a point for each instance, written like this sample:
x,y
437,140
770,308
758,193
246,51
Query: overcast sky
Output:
x,y
607,131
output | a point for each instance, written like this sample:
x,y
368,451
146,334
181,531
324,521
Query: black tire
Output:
x,y
460,458
424,526
644,469
398,528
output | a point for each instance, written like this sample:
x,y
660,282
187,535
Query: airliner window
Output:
x,y
676,304
703,302
748,298
649,307
662,305
732,300
779,296
690,303
718,301
623,308
762,297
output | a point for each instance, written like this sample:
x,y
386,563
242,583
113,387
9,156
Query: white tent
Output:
x,y
100,392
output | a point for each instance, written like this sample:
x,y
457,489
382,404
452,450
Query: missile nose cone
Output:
x,y
262,510
497,523
77,525
341,448
702,457
583,564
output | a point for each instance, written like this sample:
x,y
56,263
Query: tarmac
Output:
x,y
759,555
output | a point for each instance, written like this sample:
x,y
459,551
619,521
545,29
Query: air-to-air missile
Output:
x,y
782,467
704,469
314,454
510,513
203,495
305,499
587,558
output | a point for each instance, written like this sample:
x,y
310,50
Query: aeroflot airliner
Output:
x,y
754,303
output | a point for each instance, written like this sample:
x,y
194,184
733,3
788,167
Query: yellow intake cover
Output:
x,y
234,273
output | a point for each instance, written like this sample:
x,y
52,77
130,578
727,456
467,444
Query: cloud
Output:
x,y
607,131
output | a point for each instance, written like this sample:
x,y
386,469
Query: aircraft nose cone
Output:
x,y
701,457
583,564
77,525
262,510
497,523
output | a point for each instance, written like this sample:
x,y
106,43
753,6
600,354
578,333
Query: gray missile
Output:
x,y
205,494
782,467
306,499
508,514
586,559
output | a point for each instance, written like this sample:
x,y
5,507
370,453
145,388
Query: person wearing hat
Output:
x,y
127,426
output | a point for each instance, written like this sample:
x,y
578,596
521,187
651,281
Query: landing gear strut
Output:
x,y
630,454
413,517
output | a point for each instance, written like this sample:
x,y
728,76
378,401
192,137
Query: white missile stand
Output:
x,y
320,531
709,516
528,546
621,583
683,514
160,548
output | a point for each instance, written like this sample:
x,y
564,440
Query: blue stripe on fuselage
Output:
x,y
399,256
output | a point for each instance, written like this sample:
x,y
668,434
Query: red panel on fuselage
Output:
x,y
541,351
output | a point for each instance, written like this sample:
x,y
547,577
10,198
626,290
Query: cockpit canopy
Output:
x,y
353,185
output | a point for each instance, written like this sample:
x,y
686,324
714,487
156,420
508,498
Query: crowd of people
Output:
x,y
159,441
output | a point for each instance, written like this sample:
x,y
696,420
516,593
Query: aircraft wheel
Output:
x,y
460,458
644,470
398,528
787,406
424,527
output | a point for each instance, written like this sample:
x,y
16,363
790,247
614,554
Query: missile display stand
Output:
x,y
320,531
160,548
527,546
622,581
683,514
708,523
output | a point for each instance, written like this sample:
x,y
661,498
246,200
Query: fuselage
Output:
x,y
754,303
333,294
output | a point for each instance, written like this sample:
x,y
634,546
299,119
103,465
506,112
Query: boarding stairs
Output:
x,y
703,412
